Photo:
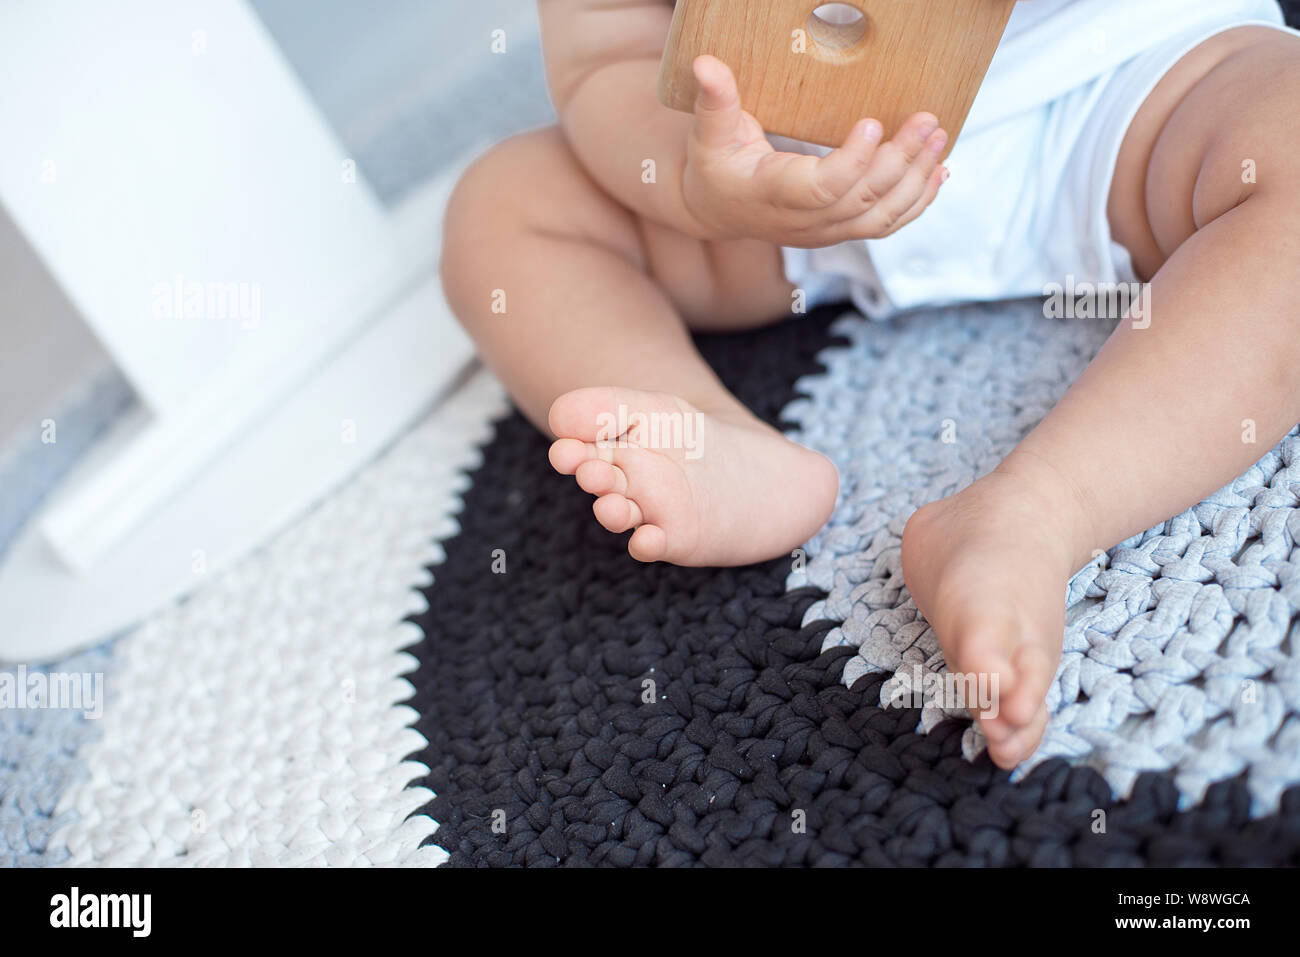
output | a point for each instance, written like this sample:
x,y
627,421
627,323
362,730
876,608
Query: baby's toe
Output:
x,y
1020,745
616,512
995,728
648,543
568,455
578,414
1034,667
601,478
983,648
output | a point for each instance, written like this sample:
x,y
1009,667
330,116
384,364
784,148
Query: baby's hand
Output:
x,y
737,186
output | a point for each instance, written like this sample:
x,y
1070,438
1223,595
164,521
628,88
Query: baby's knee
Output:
x,y
502,184
490,204
531,184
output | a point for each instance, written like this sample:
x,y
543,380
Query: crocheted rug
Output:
x,y
260,720
580,708
1177,651
559,704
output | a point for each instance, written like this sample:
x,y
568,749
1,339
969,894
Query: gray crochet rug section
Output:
x,y
1179,646
40,758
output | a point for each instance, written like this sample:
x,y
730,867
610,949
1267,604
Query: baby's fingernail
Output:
x,y
938,142
928,126
872,131
944,174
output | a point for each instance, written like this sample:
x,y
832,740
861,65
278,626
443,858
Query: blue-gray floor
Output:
x,y
411,85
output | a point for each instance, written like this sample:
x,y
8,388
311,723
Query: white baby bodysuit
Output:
x,y
1031,173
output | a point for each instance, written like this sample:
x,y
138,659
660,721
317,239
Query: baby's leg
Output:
x,y
581,307
1164,415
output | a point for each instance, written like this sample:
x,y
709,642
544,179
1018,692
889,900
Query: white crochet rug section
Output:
x,y
257,723
1179,652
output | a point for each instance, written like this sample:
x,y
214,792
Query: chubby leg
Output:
x,y
582,308
1168,412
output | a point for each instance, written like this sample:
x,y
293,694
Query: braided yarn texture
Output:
x,y
259,722
39,761
581,709
1177,651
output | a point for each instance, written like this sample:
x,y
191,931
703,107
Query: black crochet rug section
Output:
x,y
544,749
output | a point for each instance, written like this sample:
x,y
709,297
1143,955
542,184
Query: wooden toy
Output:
x,y
810,70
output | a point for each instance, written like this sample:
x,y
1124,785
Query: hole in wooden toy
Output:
x,y
837,26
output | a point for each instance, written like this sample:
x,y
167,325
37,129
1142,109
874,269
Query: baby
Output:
x,y
1112,142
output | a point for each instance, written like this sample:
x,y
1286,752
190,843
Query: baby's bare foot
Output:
x,y
699,488
988,568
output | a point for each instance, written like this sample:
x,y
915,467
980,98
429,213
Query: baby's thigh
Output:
x,y
534,185
1216,130
1243,114
718,286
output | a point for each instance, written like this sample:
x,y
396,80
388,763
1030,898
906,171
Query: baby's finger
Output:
x,y
892,159
869,224
891,207
840,170
932,187
718,114
789,182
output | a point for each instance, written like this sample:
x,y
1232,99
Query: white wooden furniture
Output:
x,y
153,146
